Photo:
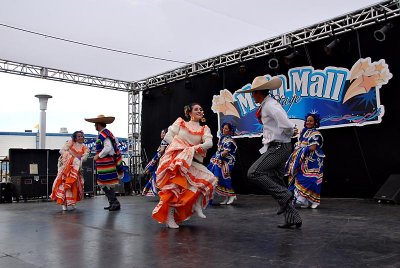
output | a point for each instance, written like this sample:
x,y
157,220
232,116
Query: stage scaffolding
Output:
x,y
381,12
11,67
385,10
134,127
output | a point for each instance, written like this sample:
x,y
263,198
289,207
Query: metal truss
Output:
x,y
134,126
356,20
11,67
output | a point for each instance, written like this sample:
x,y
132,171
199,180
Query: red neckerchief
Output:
x,y
258,114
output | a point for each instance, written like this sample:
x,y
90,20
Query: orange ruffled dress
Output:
x,y
68,187
181,177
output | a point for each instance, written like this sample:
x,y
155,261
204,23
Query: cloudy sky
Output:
x,y
19,109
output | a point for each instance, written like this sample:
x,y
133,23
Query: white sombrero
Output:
x,y
261,83
101,119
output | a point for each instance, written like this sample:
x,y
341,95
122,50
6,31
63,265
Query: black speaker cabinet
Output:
x,y
33,186
5,192
30,162
88,174
390,190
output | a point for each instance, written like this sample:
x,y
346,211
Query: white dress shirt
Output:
x,y
276,124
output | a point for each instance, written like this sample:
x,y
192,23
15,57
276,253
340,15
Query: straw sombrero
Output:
x,y
261,83
101,119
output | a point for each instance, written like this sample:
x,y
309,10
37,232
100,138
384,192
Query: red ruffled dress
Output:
x,y
181,176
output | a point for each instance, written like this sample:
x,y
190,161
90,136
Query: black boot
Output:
x,y
115,206
290,225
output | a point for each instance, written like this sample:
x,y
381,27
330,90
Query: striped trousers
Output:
x,y
268,171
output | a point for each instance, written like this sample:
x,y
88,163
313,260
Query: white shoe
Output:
x,y
64,207
314,205
198,209
225,201
231,199
304,206
171,220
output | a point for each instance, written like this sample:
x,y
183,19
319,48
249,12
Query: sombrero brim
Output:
x,y
104,120
274,83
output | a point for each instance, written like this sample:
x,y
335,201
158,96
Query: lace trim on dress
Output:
x,y
193,132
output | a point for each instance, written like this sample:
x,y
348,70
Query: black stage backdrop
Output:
x,y
359,159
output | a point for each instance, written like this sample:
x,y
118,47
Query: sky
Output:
x,y
181,30
69,105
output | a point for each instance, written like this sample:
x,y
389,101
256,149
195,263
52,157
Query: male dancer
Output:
x,y
268,170
108,160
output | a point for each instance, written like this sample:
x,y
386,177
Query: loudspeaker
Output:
x,y
390,190
33,186
5,192
88,174
30,162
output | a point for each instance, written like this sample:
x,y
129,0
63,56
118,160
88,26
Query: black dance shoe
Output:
x,y
290,225
114,207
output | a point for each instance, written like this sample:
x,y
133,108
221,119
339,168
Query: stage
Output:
x,y
340,233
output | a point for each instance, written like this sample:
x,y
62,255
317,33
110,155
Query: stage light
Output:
x,y
291,57
147,94
214,74
165,90
329,48
242,68
188,83
273,63
380,35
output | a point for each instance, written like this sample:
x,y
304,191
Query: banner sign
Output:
x,y
340,96
91,143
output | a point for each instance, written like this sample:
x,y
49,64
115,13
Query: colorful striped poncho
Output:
x,y
108,168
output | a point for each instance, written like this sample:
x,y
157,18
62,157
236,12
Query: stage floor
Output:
x,y
340,233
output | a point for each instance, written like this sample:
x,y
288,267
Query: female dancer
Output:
x,y
150,170
185,184
68,186
222,162
305,165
